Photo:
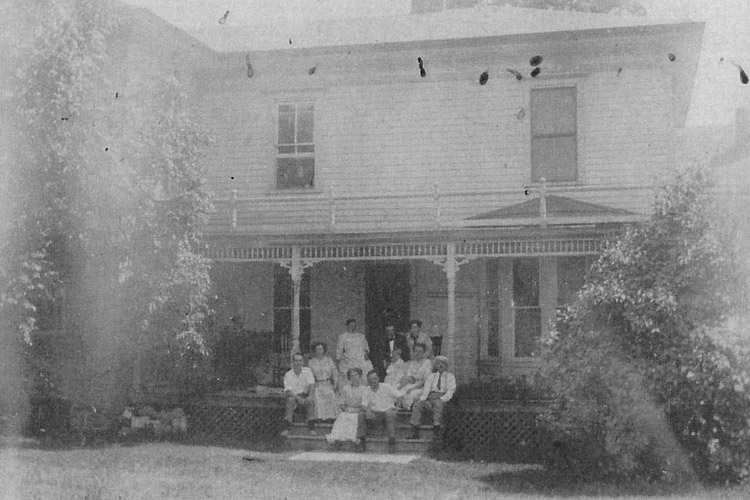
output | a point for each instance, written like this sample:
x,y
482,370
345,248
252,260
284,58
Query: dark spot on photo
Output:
x,y
743,75
515,73
483,78
535,72
672,57
422,71
250,71
312,70
535,61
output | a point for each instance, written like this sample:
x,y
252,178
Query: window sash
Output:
x,y
295,132
295,148
554,134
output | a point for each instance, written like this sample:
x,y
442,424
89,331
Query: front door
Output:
x,y
388,288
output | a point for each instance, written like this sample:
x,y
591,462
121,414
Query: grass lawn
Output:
x,y
167,470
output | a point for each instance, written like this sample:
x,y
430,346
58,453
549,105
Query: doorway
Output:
x,y
387,300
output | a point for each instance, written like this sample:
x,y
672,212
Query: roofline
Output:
x,y
511,39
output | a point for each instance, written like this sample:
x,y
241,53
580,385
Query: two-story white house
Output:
x,y
461,167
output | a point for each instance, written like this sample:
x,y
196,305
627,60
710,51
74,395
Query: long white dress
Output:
x,y
395,372
420,370
350,351
324,370
350,424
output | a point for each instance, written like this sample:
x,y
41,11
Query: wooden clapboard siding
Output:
x,y
396,151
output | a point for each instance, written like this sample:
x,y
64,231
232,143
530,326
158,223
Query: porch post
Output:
x,y
296,270
450,264
451,268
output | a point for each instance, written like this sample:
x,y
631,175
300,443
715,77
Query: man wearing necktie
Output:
x,y
438,390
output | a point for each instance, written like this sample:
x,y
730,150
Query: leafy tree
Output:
x,y
106,206
644,387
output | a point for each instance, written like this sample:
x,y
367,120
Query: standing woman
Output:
x,y
326,378
352,351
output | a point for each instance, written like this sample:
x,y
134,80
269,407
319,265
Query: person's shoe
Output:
x,y
392,445
362,445
414,433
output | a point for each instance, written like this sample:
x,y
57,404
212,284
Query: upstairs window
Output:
x,y
295,150
553,134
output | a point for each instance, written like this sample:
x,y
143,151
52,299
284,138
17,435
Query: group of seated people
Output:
x,y
419,385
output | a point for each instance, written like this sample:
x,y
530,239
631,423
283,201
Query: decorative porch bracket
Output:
x,y
450,264
296,267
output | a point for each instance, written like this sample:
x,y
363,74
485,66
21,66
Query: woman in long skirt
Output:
x,y
350,424
326,375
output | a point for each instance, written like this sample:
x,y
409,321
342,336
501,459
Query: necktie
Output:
x,y
439,375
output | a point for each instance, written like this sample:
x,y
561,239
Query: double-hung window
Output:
x,y
553,134
527,310
295,149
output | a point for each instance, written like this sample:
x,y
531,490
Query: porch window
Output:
x,y
493,313
283,300
295,150
571,273
553,134
527,311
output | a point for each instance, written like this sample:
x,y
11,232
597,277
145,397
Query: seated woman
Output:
x,y
396,370
417,371
350,424
326,377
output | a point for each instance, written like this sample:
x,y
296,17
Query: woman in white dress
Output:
x,y
396,370
350,424
352,351
417,371
326,378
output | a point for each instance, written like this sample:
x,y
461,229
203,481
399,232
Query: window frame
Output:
x,y
297,104
535,176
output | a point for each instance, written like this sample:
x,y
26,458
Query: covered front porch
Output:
x,y
483,294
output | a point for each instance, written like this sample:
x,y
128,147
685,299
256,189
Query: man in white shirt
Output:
x,y
379,401
438,389
298,386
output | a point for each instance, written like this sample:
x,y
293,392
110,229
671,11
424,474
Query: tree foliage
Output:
x,y
107,199
644,386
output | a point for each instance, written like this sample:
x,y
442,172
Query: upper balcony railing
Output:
x,y
426,211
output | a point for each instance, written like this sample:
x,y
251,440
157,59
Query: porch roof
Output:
x,y
469,243
556,206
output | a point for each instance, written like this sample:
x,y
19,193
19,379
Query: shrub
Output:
x,y
643,387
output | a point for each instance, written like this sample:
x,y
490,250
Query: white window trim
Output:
x,y
273,188
558,83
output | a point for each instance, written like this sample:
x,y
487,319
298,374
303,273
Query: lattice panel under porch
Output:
x,y
248,422
493,433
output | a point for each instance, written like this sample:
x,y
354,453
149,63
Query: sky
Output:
x,y
718,89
